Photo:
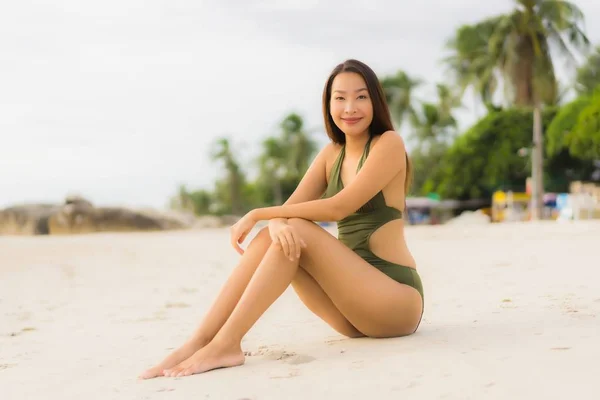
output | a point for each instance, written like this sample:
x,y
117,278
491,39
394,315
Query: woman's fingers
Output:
x,y
235,243
294,245
289,241
285,245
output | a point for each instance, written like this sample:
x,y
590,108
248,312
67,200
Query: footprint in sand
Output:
x,y
289,357
300,359
292,374
278,354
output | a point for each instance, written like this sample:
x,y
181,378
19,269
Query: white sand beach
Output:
x,y
512,311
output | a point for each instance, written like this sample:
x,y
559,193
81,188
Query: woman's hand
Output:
x,y
286,237
240,230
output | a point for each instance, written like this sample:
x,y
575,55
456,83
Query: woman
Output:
x,y
362,284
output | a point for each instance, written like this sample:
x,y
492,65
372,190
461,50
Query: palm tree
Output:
x,y
518,49
272,164
297,143
399,92
435,128
235,178
182,201
470,62
287,156
588,75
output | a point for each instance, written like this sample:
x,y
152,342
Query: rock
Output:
x,y
78,200
83,218
26,219
79,215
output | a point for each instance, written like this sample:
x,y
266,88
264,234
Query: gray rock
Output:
x,y
26,219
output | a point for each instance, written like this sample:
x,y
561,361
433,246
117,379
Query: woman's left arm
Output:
x,y
385,160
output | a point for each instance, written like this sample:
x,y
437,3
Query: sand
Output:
x,y
512,312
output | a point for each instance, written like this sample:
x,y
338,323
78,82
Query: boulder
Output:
x,y
80,217
26,219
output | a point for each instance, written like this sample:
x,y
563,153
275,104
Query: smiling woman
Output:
x,y
362,283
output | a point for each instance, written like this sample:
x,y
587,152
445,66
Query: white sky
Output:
x,y
119,100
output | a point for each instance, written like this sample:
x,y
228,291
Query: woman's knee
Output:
x,y
262,236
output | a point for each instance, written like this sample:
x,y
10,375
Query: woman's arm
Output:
x,y
385,160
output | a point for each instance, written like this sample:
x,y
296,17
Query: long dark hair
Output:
x,y
382,120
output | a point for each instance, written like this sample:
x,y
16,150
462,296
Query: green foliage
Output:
x,y
576,129
282,164
516,47
562,125
228,190
486,158
284,160
588,75
426,168
471,63
584,140
398,91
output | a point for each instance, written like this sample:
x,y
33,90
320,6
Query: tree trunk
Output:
x,y
537,166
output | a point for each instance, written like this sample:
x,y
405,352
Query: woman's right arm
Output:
x,y
311,187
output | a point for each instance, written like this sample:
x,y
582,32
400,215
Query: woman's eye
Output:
x,y
362,96
339,98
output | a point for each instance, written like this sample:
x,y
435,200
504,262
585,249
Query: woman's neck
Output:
x,y
356,145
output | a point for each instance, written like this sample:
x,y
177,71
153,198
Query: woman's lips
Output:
x,y
351,121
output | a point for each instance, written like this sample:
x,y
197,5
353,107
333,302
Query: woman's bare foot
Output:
x,y
212,356
179,355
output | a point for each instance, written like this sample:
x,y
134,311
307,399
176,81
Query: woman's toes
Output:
x,y
150,373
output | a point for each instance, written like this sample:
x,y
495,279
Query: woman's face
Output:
x,y
350,104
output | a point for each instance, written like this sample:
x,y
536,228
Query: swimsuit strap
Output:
x,y
365,153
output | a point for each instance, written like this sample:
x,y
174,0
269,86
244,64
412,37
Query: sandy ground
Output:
x,y
511,313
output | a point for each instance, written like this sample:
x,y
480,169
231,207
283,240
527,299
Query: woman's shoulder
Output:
x,y
330,150
389,138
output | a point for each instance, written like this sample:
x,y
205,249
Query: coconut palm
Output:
x,y
588,75
518,50
470,62
298,144
399,92
272,163
235,178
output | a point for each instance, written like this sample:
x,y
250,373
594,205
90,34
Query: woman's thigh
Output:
x,y
310,293
374,303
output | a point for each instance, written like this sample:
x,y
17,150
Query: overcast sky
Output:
x,y
119,100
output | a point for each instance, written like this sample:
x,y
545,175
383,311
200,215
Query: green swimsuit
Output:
x,y
356,229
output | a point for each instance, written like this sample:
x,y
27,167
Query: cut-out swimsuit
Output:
x,y
356,229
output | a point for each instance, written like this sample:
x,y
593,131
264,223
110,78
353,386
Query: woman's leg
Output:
x,y
314,297
306,287
371,301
